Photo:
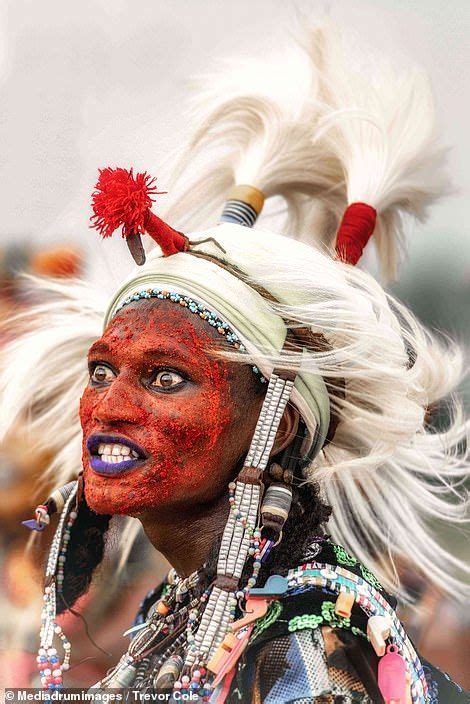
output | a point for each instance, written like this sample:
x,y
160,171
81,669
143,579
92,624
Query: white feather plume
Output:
x,y
379,124
322,125
253,124
44,369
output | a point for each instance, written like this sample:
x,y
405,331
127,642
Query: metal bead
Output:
x,y
276,506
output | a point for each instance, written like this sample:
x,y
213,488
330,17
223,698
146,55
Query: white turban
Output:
x,y
261,330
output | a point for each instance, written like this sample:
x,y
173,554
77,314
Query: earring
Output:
x,y
54,504
277,499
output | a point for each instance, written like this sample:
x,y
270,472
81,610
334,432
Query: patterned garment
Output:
x,y
301,667
304,653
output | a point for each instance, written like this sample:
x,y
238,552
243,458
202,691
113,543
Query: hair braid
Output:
x,y
84,553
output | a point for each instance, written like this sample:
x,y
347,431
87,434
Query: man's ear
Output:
x,y
288,428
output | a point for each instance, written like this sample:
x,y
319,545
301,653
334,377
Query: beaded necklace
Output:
x,y
156,655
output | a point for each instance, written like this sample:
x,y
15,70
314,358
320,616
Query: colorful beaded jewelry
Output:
x,y
343,557
254,549
196,308
337,579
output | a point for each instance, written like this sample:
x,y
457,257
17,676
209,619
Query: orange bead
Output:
x,y
162,608
344,604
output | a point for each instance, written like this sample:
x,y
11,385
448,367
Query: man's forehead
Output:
x,y
156,327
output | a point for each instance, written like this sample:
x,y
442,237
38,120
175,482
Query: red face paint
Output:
x,y
192,436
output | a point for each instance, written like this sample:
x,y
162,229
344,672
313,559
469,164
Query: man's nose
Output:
x,y
119,403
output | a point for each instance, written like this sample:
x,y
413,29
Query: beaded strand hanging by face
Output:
x,y
242,534
49,665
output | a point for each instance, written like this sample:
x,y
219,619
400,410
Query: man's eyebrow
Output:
x,y
159,349
165,351
99,347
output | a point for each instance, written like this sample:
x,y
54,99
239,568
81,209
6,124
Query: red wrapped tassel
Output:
x,y
357,227
123,200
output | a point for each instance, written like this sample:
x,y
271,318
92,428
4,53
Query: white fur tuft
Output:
x,y
44,369
379,125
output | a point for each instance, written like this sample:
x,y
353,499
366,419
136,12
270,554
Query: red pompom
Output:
x,y
357,227
122,200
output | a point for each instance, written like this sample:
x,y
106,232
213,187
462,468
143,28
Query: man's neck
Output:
x,y
185,536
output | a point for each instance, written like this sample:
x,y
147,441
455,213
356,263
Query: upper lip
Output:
x,y
96,439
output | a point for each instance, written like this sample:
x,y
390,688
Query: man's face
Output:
x,y
165,422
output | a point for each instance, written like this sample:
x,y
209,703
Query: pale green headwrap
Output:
x,y
261,330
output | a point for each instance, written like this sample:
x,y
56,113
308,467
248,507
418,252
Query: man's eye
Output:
x,y
167,379
102,374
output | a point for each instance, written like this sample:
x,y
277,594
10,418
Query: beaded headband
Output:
x,y
196,308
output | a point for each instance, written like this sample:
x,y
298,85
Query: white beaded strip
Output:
x,y
277,396
236,537
252,515
50,599
213,627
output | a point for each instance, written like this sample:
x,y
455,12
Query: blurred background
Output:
x,y
104,82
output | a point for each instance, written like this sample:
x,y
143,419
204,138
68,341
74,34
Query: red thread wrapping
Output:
x,y
122,200
356,228
169,240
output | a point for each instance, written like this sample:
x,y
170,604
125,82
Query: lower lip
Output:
x,y
112,469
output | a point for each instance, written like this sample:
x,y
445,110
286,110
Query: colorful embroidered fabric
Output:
x,y
301,652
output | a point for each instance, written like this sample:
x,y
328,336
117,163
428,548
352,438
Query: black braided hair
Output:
x,y
307,515
84,553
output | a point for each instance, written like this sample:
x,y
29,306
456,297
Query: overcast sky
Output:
x,y
96,82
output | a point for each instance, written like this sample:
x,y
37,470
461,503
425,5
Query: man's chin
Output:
x,y
103,498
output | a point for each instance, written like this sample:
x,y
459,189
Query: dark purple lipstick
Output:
x,y
106,460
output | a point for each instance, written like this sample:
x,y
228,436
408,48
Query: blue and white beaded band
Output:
x,y
196,308
238,212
